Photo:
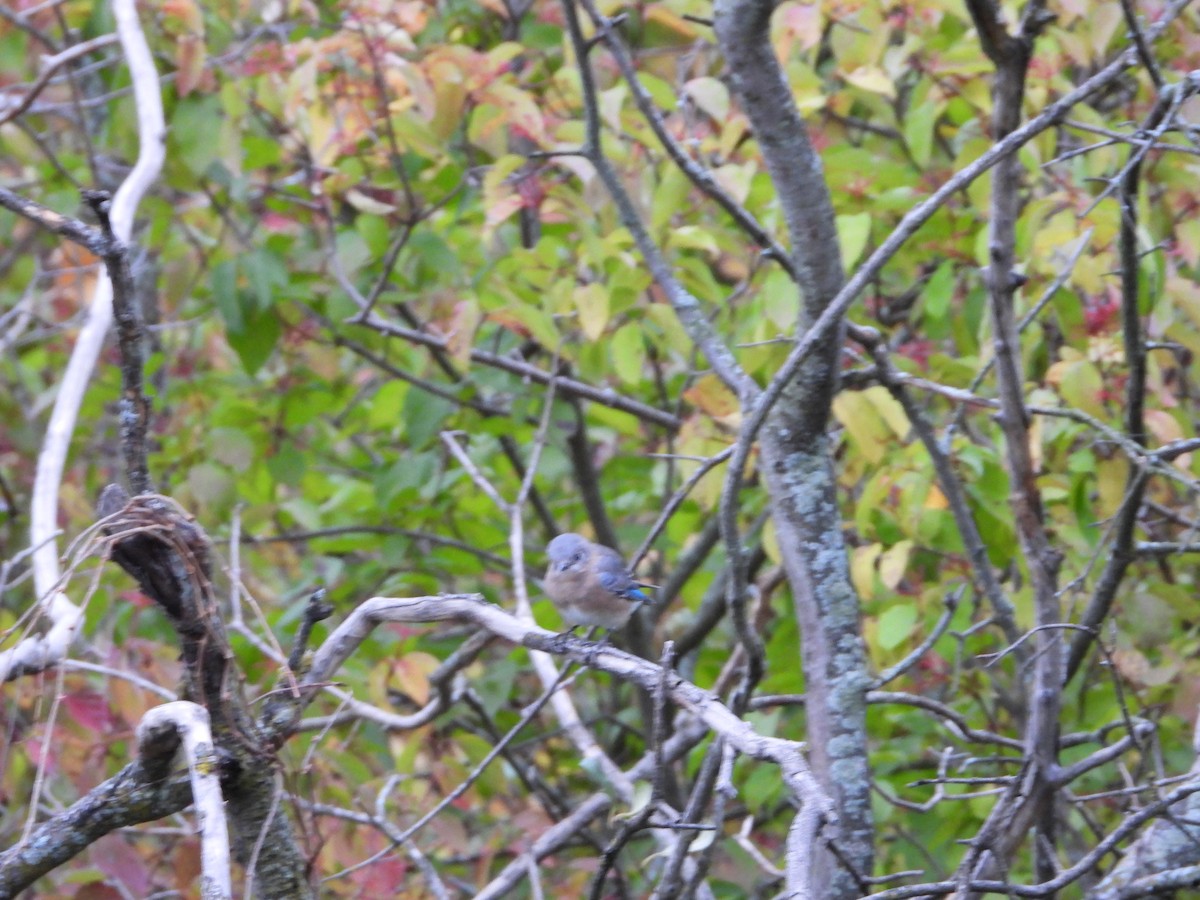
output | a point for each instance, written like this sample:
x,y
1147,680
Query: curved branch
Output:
x,y
52,459
687,307
471,608
185,725
141,792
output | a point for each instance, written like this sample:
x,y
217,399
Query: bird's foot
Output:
x,y
560,640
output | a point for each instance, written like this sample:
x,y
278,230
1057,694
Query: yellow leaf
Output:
x,y
661,15
591,302
1166,428
1104,19
1060,231
1111,476
411,674
300,89
1081,386
889,410
322,134
935,499
521,111
711,396
736,179
711,96
1185,294
770,542
463,325
873,79
449,95
1187,241
698,437
732,134
499,197
893,563
366,204
862,569
862,422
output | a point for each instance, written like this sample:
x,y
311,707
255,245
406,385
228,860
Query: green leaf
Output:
x,y
423,417
938,293
224,289
1082,386
376,233
287,466
661,92
853,232
211,484
233,447
918,131
895,624
255,342
628,351
670,198
266,273
780,299
385,409
260,152
692,237
192,136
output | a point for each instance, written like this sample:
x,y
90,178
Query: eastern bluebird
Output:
x,y
590,584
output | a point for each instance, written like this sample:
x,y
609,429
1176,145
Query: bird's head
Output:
x,y
567,551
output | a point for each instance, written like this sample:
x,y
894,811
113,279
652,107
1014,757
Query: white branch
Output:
x,y
39,652
65,617
472,608
52,459
190,722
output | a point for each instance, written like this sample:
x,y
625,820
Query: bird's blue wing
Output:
x,y
615,578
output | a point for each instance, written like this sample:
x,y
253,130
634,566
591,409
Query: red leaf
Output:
x,y
114,856
90,710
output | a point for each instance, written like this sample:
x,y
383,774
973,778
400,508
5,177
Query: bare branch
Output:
x,y
185,725
50,65
1121,552
604,396
689,310
151,143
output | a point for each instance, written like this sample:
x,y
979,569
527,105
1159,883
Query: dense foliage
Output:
x,y
374,237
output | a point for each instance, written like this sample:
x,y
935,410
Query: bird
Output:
x,y
590,584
